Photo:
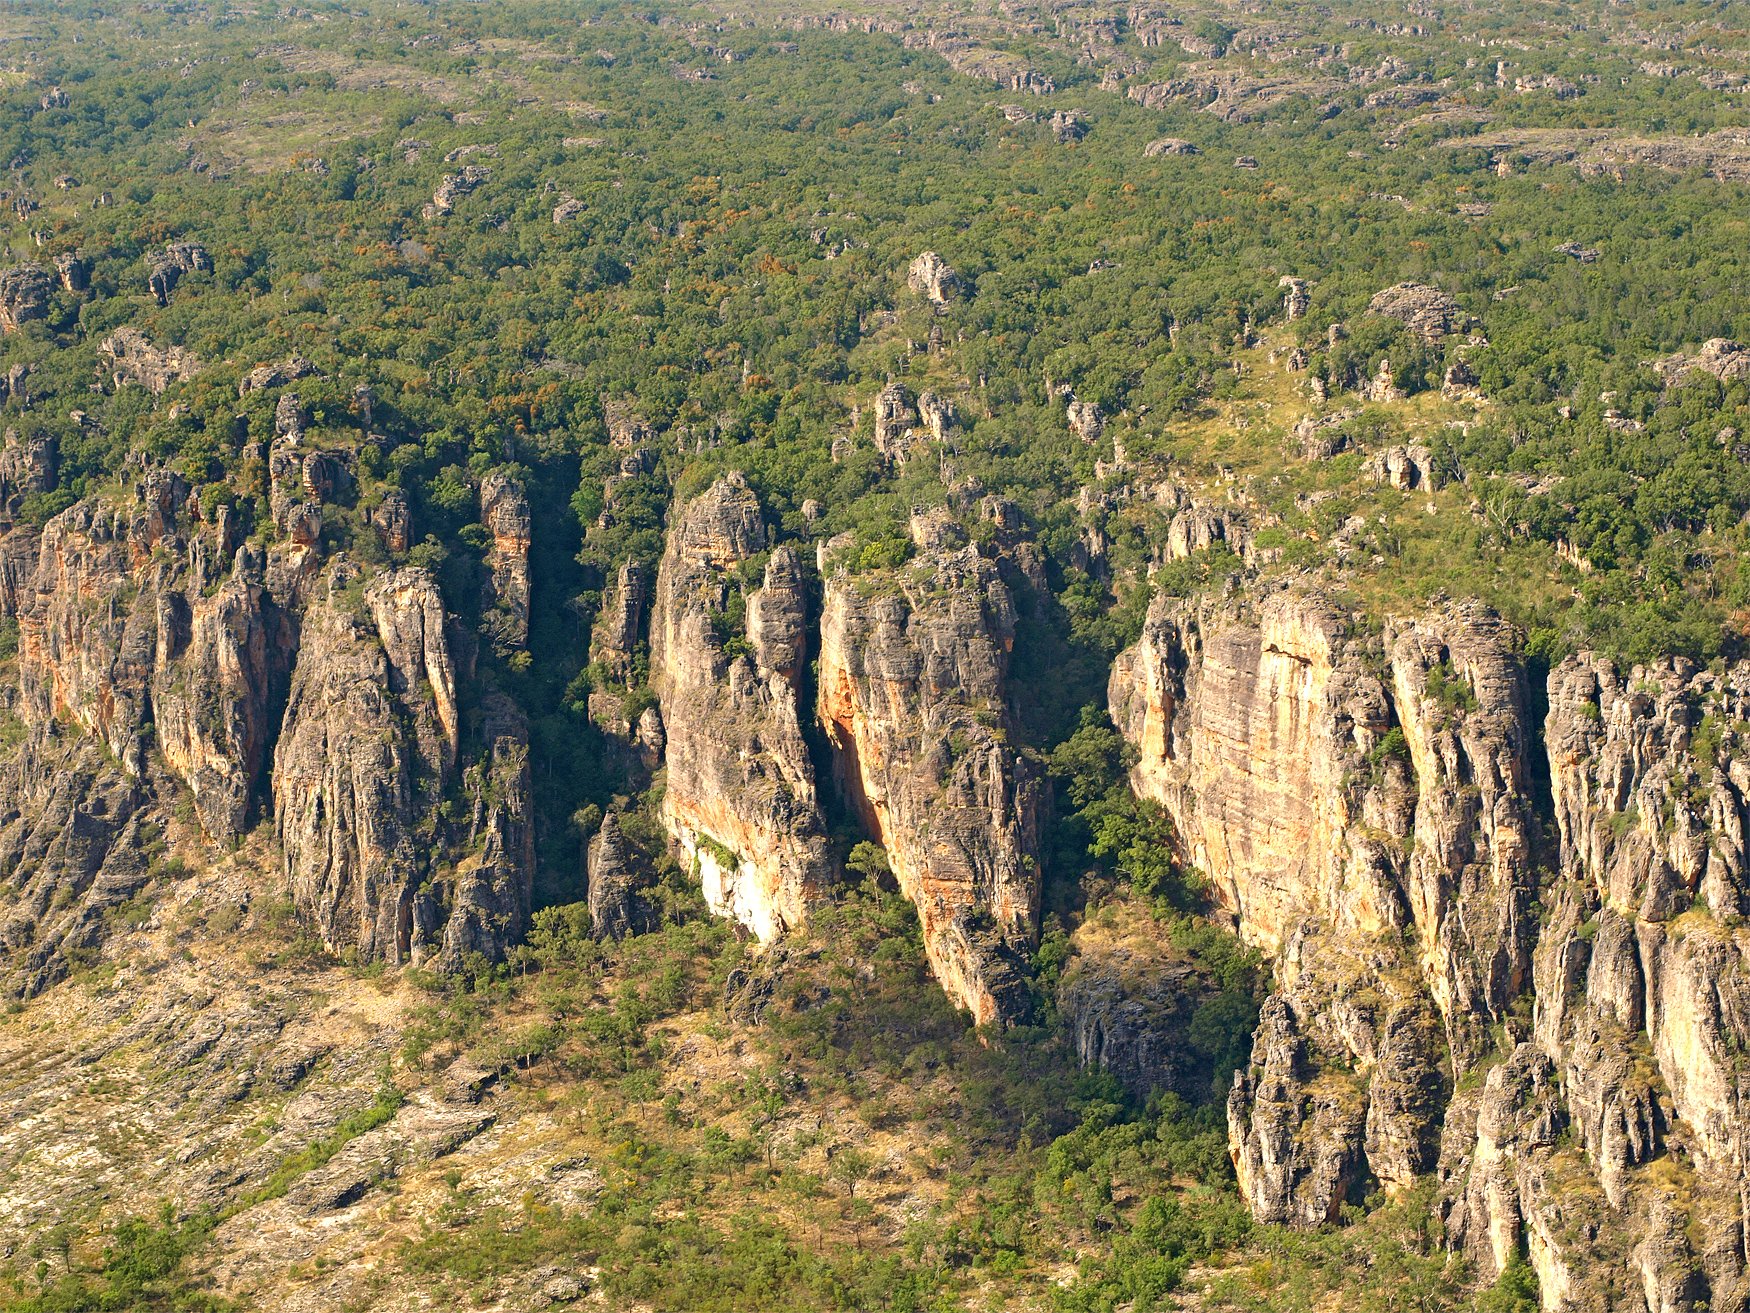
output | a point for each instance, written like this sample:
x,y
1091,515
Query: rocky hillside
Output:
x,y
1509,945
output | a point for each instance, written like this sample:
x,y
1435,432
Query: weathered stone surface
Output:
x,y
25,290
70,851
274,375
1254,735
1086,421
165,269
1642,979
740,797
615,642
617,907
367,746
393,518
1295,1150
1426,311
1199,527
1067,125
14,384
1459,691
488,902
455,186
933,277
74,273
1129,997
1365,808
157,650
1337,794
133,359
217,661
913,664
896,433
27,465
1407,468
1725,359
504,511
1295,300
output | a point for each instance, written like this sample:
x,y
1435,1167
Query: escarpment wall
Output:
x,y
911,702
740,793
1563,1046
912,671
161,654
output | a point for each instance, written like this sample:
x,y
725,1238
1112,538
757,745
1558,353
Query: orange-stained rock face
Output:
x,y
912,670
504,510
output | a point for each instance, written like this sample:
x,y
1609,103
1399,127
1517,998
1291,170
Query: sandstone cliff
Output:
x,y
1365,806
727,655
161,656
913,663
363,761
504,511
1341,791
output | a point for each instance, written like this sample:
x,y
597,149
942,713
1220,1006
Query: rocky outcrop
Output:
x,y
1200,526
1169,146
1255,737
165,269
27,465
74,273
133,359
1459,693
615,644
504,511
1129,998
161,658
1725,359
940,419
274,375
453,187
1364,808
617,905
896,419
740,797
1406,468
367,747
1360,807
1067,125
1642,972
25,290
215,667
932,277
1295,301
134,628
488,895
1086,421
1426,311
393,520
913,663
73,829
